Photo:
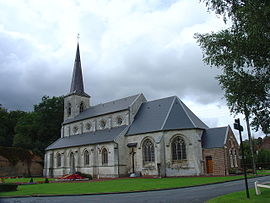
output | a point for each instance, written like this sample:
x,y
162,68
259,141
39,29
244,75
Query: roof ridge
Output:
x,y
226,134
181,103
217,127
138,96
162,98
116,100
169,111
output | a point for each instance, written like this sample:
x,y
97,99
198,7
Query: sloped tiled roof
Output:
x,y
100,136
101,109
214,137
164,114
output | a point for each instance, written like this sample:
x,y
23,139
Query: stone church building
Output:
x,y
132,135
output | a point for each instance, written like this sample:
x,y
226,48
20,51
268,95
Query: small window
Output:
x,y
119,120
75,129
69,109
88,126
81,107
58,160
86,157
104,156
102,124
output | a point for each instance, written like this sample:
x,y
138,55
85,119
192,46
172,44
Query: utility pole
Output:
x,y
238,127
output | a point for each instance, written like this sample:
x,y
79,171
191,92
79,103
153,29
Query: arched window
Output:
x,y
88,126
72,159
235,158
104,156
81,107
231,158
178,149
102,124
58,158
148,151
69,109
119,120
86,157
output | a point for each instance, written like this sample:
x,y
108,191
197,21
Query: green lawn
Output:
x,y
117,185
240,197
24,180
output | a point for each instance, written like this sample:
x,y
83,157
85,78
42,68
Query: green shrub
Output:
x,y
31,180
6,187
46,180
89,176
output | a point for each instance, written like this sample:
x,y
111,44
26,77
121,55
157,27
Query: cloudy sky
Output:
x,y
127,47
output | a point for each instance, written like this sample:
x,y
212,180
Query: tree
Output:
x,y
49,120
38,129
242,51
8,121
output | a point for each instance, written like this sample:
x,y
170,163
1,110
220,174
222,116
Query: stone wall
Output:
x,y
95,166
163,164
21,168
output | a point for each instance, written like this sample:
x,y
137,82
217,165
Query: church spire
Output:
x,y
77,86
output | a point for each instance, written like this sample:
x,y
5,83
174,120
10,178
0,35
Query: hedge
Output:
x,y
6,187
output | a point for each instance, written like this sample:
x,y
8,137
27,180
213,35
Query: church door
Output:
x,y
209,164
72,163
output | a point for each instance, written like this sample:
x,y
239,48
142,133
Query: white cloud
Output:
x,y
132,46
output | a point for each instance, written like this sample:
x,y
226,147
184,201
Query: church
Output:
x,y
132,135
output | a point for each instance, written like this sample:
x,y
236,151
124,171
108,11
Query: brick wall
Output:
x,y
218,160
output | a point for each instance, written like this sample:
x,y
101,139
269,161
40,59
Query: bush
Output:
x,y
236,171
85,175
46,180
6,187
31,180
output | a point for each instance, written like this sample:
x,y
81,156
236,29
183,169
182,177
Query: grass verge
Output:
x,y
240,197
25,180
117,185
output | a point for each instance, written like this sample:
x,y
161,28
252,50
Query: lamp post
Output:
x,y
238,127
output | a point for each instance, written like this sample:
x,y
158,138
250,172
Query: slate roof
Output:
x,y
164,114
77,86
101,109
100,136
214,137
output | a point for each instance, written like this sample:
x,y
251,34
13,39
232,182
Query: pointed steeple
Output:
x,y
77,86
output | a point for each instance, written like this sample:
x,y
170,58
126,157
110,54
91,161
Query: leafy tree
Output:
x,y
26,130
8,121
263,158
38,129
49,120
242,51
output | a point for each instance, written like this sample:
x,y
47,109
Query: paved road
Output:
x,y
192,194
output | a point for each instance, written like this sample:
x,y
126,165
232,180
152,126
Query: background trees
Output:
x,y
32,130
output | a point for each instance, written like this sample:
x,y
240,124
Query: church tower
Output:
x,y
76,101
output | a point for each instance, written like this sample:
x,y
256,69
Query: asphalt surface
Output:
x,y
191,194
